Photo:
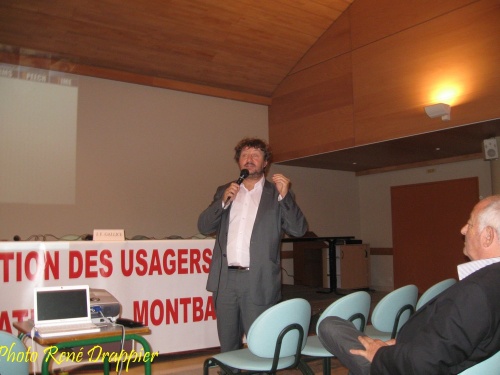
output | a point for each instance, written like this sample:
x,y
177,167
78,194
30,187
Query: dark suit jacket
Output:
x,y
455,330
273,218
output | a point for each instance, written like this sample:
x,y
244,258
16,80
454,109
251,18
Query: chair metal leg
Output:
x,y
327,366
206,365
304,368
212,362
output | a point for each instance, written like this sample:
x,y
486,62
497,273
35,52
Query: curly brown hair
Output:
x,y
252,143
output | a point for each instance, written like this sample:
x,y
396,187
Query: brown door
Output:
x,y
426,223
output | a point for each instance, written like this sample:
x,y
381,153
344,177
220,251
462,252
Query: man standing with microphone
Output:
x,y
249,217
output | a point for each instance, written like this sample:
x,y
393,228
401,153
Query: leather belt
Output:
x,y
239,268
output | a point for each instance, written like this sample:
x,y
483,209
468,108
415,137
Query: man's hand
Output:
x,y
371,347
282,184
230,193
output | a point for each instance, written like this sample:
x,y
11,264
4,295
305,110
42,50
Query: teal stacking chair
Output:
x,y
434,291
18,351
274,342
488,366
354,307
391,312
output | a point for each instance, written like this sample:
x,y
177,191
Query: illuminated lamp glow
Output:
x,y
446,93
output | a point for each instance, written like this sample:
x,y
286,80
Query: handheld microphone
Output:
x,y
243,174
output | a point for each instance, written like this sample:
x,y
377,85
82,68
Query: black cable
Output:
x,y
292,276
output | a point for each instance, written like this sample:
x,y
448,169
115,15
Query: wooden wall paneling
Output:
x,y
381,251
310,136
375,20
312,111
426,223
393,78
334,42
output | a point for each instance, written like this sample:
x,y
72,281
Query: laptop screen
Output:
x,y
61,304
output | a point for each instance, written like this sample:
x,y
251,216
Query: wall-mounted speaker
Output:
x,y
490,149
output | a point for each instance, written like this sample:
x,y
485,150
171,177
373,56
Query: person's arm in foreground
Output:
x,y
437,340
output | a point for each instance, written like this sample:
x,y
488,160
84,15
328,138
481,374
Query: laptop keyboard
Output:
x,y
67,330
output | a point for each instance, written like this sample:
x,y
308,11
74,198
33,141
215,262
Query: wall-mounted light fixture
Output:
x,y
439,110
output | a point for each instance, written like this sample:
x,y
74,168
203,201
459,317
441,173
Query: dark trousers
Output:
x,y
235,310
338,336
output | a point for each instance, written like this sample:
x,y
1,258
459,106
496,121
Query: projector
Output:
x,y
101,301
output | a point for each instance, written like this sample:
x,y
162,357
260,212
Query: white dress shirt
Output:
x,y
241,221
466,269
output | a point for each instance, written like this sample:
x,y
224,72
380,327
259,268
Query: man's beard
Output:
x,y
257,174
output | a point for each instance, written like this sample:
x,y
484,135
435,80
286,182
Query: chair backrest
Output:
x,y
265,330
348,308
433,291
392,311
14,361
488,366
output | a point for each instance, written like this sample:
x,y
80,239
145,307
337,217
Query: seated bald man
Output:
x,y
452,332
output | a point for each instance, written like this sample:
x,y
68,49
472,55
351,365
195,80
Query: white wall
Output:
x,y
149,161
329,199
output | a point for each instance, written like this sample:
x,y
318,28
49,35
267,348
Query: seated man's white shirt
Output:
x,y
466,269
241,221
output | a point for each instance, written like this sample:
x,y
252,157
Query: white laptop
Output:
x,y
63,311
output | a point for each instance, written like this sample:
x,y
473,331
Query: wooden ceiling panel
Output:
x,y
247,46
236,49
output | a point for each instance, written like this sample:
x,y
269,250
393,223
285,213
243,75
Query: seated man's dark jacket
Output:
x,y
454,331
